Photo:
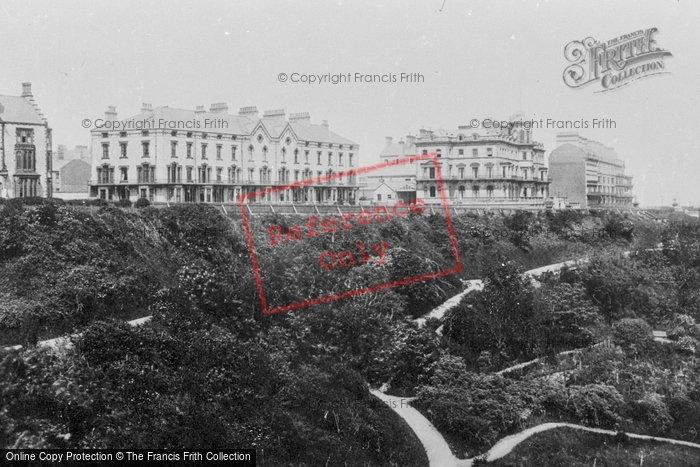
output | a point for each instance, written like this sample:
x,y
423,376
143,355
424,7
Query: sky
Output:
x,y
478,58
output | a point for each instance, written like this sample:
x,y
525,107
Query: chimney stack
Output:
x,y
27,94
219,108
111,114
199,110
274,114
324,124
146,108
388,140
27,90
302,117
250,112
411,140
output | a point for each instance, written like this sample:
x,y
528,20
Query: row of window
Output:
x,y
25,159
190,134
173,153
430,172
124,134
145,173
475,152
432,192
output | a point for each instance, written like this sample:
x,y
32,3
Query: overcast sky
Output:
x,y
480,58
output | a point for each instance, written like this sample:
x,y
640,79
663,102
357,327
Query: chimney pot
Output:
x,y
301,117
324,124
27,89
389,140
146,108
250,112
200,110
219,108
274,114
111,113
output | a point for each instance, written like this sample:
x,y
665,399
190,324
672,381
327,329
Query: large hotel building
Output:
x,y
25,147
176,155
588,173
480,167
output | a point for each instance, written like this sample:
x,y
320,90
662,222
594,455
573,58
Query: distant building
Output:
x,y
74,180
25,147
397,176
393,191
71,172
588,173
176,155
484,167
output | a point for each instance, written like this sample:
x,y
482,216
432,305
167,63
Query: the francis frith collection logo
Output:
x,y
615,63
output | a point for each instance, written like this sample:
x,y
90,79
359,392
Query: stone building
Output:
x,y
25,147
499,167
588,173
177,155
71,172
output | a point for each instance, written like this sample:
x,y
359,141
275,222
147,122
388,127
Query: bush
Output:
x,y
652,411
98,202
142,203
124,203
595,404
32,201
632,334
683,325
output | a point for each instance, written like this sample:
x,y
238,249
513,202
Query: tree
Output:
x,y
499,319
633,335
565,317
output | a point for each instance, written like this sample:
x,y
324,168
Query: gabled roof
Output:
x,y
568,151
76,164
397,185
318,133
18,109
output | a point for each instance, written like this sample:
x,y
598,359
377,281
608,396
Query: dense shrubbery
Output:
x,y
124,203
212,371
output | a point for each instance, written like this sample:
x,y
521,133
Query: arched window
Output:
x,y
250,151
432,192
461,192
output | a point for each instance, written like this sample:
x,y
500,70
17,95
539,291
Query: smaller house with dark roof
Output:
x,y
390,192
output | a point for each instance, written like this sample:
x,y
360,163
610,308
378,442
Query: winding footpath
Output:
x,y
437,449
